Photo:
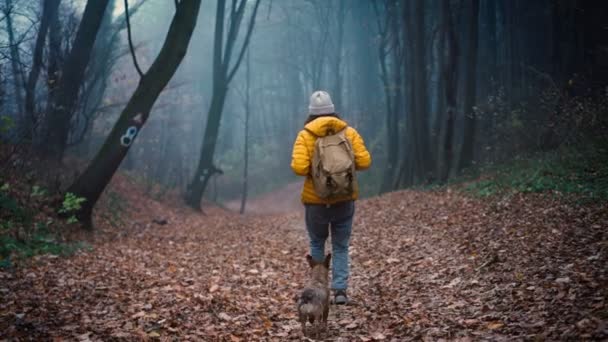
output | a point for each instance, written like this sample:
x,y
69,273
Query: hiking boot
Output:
x,y
340,297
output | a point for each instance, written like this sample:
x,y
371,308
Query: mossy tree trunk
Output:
x,y
96,177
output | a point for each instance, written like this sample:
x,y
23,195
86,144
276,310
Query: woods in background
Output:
x,y
438,87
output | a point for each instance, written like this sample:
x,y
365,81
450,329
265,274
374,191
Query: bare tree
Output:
x,y
72,76
95,178
49,16
15,55
223,72
390,54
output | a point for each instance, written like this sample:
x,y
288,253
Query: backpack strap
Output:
x,y
349,146
311,132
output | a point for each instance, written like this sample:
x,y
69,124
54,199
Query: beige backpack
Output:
x,y
333,166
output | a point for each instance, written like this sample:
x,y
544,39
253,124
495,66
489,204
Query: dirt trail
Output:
x,y
425,265
281,201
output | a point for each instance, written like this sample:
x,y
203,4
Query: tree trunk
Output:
x,y
246,139
15,56
222,75
337,92
49,15
391,81
54,65
450,76
436,133
72,76
466,155
95,178
417,158
205,168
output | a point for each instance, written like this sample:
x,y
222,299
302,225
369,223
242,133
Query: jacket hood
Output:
x,y
325,125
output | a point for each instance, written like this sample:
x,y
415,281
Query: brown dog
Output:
x,y
313,304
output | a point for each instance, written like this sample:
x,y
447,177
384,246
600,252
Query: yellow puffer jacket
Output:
x,y
304,147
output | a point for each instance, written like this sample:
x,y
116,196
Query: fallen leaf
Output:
x,y
378,336
495,325
224,316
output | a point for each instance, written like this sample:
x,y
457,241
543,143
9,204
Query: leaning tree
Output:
x,y
96,177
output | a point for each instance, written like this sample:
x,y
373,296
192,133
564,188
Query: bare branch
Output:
x,y
246,42
141,74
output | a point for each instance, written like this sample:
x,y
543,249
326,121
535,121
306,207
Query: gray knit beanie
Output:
x,y
320,103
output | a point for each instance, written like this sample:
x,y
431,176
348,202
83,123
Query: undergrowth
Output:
x,y
30,223
580,170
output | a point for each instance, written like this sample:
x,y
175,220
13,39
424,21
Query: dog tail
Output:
x,y
306,301
307,309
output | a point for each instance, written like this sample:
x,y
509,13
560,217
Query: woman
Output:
x,y
325,214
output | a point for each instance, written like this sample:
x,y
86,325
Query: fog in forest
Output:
x,y
234,170
296,47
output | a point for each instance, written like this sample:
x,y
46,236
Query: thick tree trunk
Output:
x,y
52,81
449,71
49,15
468,145
95,178
416,165
72,76
205,169
391,81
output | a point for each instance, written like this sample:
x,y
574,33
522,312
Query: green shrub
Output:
x,y
6,124
582,171
71,204
40,241
37,191
21,237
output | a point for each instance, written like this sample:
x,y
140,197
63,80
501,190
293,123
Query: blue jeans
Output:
x,y
339,218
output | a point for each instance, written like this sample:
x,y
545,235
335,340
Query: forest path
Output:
x,y
425,265
283,200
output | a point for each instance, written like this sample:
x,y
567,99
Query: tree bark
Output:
x,y
222,75
390,48
449,70
71,79
416,164
15,56
468,145
246,139
95,178
49,15
337,92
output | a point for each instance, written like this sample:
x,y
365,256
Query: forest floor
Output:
x,y
430,265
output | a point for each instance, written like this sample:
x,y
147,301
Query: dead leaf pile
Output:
x,y
425,265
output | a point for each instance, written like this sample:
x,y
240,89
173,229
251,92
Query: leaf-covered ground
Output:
x,y
425,266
